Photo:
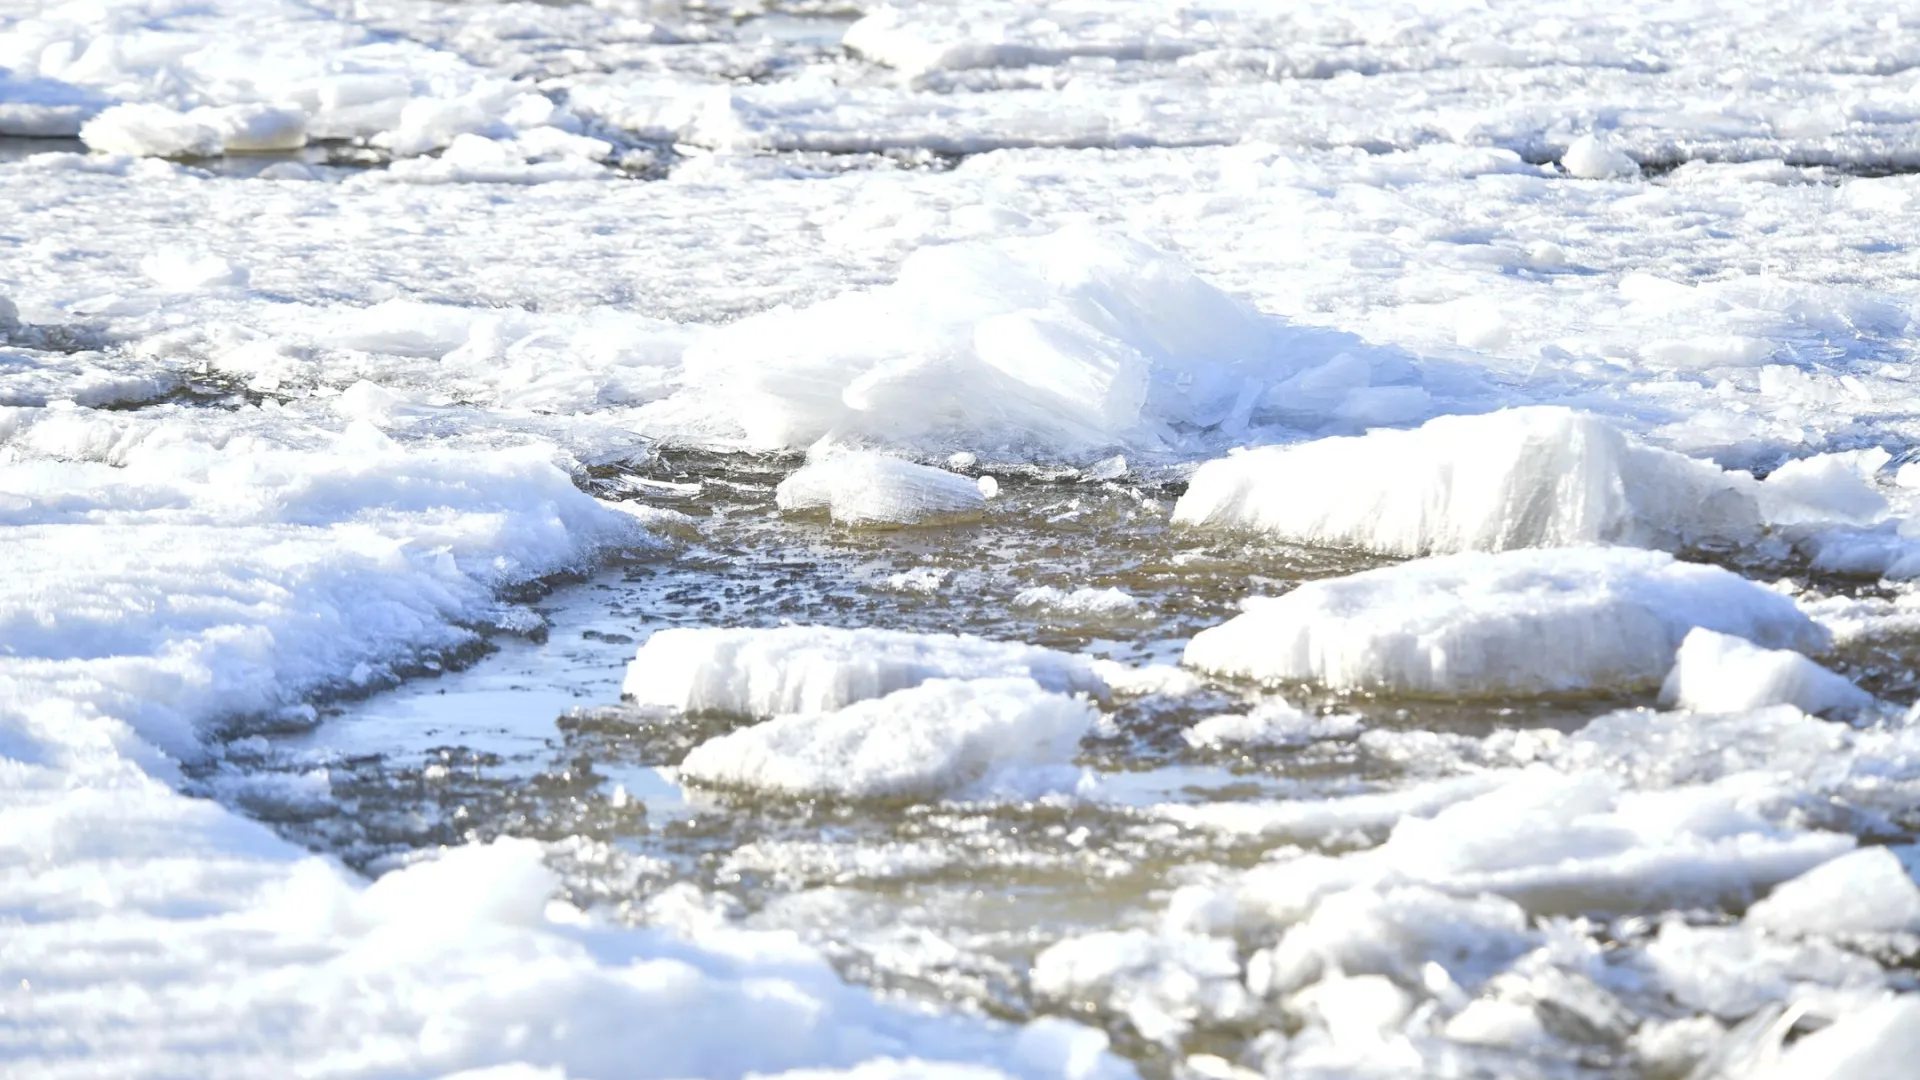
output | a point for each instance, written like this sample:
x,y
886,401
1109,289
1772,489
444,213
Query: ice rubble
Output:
x,y
1526,477
1162,983
819,669
170,572
1715,672
212,577
865,488
137,78
994,736
1063,343
1526,621
1378,243
1593,156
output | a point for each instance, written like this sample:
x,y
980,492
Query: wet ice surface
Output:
x,y
377,378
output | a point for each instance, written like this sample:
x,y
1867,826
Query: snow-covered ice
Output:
x,y
1273,722
1064,342
1537,477
1866,892
872,489
1527,621
799,669
943,736
1715,672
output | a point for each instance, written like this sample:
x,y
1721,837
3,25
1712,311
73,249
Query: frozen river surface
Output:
x,y
963,540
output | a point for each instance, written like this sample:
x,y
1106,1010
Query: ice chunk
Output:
x,y
1005,736
1827,487
792,669
1356,1012
1594,157
1272,723
1552,842
1530,621
864,488
142,130
1395,933
180,270
1881,1042
1088,604
257,128
1863,892
1162,983
1067,342
1529,477
1716,672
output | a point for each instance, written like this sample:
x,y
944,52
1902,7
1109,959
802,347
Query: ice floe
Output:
x,y
864,488
994,736
813,669
1715,672
1526,621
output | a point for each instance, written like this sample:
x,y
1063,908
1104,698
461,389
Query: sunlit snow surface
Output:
x,y
377,378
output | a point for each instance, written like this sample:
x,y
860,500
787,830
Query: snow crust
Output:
x,y
1532,477
1525,621
819,669
995,736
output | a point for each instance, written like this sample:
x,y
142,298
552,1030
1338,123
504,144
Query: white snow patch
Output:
x,y
142,130
1827,487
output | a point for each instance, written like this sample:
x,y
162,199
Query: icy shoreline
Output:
x,y
1352,353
